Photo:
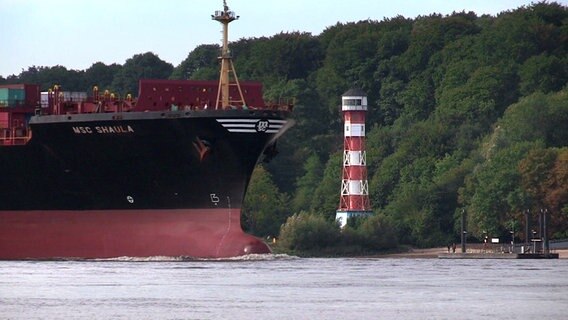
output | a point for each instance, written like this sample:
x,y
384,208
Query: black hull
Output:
x,y
138,160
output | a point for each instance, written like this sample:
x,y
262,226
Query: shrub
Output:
x,y
377,233
307,232
313,234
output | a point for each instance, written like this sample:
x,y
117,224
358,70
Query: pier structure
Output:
x,y
498,250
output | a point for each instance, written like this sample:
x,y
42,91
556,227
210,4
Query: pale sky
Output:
x,y
78,33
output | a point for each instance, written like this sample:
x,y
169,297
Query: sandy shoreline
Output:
x,y
434,252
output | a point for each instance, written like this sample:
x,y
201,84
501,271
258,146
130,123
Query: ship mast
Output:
x,y
224,100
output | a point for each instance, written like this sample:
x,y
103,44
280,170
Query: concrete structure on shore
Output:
x,y
491,255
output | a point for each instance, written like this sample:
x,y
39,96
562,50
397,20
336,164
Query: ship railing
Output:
x,y
130,105
7,103
275,106
272,107
15,136
492,248
282,104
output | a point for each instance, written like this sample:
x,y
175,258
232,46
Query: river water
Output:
x,y
284,287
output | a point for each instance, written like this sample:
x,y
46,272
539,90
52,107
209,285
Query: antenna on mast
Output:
x,y
223,98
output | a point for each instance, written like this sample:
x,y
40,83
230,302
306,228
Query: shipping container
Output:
x,y
44,99
4,120
32,94
19,95
74,96
12,97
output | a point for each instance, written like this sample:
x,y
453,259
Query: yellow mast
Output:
x,y
223,98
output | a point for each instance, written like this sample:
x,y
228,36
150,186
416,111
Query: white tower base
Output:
x,y
342,216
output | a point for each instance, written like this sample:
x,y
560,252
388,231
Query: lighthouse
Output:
x,y
354,198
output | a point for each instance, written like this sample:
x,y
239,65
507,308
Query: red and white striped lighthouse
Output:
x,y
354,200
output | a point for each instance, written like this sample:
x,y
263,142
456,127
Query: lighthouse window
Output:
x,y
352,102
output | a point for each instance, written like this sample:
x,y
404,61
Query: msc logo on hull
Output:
x,y
252,125
262,125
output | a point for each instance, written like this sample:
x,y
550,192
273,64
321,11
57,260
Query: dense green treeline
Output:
x,y
465,112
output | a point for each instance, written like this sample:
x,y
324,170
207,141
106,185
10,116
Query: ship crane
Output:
x,y
224,99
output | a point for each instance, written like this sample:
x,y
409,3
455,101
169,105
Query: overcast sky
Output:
x,y
78,33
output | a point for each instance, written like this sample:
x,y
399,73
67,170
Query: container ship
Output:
x,y
162,174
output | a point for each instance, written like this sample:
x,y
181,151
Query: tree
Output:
x,y
308,232
326,197
557,198
264,207
373,233
101,75
544,73
308,183
493,190
202,64
47,77
537,117
544,176
140,66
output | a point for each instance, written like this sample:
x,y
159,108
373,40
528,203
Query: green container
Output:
x,y
4,94
4,97
11,97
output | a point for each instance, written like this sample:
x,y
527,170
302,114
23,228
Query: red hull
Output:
x,y
203,233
